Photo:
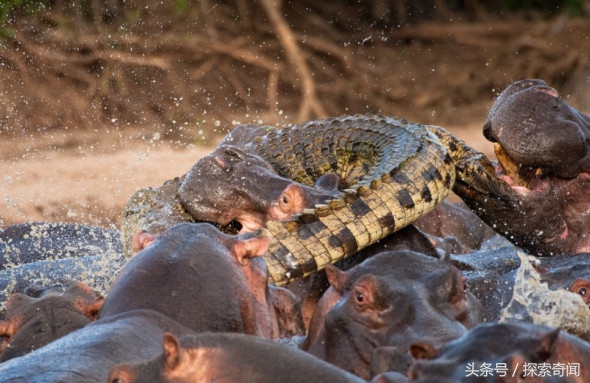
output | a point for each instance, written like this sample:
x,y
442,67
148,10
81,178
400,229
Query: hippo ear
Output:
x,y
17,301
227,154
142,239
90,308
546,346
249,248
171,352
515,362
328,182
336,277
422,350
7,328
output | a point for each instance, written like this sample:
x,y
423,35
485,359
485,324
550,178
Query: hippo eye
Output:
x,y
285,199
582,291
360,298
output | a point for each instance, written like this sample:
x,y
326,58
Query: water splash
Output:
x,y
57,254
533,301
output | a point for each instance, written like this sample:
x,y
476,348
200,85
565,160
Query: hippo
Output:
x,y
309,290
454,228
543,151
371,314
88,354
49,254
232,185
42,315
97,271
207,281
503,352
39,241
235,190
229,358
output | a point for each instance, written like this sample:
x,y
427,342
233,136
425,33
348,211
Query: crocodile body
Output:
x,y
394,173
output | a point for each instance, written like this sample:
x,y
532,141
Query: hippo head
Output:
x,y
543,150
43,314
387,303
536,133
503,350
230,265
232,185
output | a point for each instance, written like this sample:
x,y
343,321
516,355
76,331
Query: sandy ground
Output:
x,y
86,177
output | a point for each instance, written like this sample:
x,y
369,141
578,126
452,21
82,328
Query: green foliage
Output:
x,y
8,7
181,5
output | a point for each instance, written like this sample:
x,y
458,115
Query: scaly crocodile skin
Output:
x,y
395,172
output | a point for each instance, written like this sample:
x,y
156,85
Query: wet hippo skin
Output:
x,y
372,313
543,149
205,280
232,185
88,354
229,358
509,345
42,315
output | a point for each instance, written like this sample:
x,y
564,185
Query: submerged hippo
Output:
x,y
543,148
229,358
454,228
40,241
372,313
50,254
504,352
42,315
207,281
88,354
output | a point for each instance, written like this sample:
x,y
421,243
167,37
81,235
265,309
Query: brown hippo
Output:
x,y
372,313
454,228
236,190
543,148
88,354
42,315
229,358
231,185
205,280
309,290
504,352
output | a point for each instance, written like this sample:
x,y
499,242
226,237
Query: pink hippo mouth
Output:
x,y
522,179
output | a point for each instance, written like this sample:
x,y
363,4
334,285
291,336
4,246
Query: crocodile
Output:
x,y
393,172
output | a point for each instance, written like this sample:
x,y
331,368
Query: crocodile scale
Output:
x,y
394,172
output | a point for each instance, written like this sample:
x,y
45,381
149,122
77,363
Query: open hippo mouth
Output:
x,y
543,150
518,176
537,135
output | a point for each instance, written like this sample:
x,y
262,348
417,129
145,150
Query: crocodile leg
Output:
x,y
474,170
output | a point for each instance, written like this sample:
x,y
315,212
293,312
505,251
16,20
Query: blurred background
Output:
x,y
99,98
